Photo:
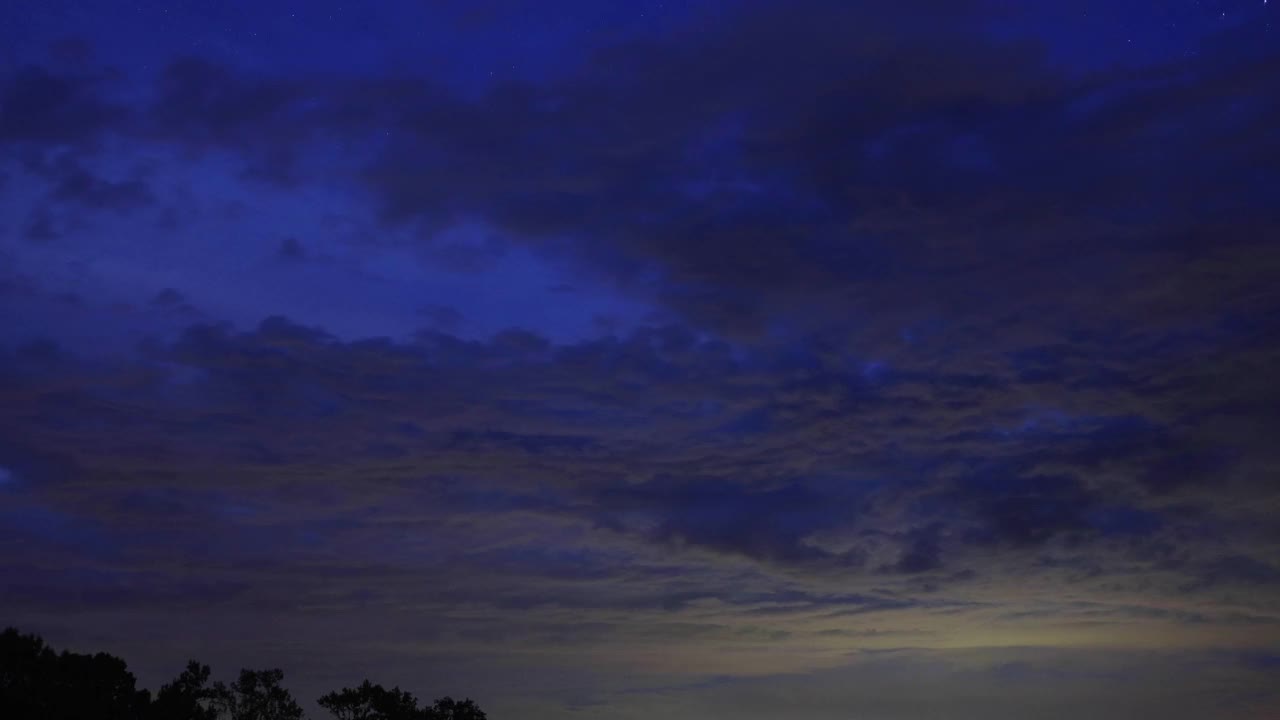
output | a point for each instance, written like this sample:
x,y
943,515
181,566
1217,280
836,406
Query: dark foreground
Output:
x,y
37,683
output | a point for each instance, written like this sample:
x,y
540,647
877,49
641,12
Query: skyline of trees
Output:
x,y
38,682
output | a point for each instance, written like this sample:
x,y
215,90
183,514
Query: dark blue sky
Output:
x,y
900,360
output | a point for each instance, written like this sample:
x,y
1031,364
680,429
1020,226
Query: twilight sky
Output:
x,y
616,360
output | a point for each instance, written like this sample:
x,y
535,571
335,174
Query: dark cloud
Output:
x,y
40,226
1238,570
168,298
843,132
922,551
843,135
1026,510
33,588
726,471
72,50
73,183
291,249
769,525
206,106
38,106
441,317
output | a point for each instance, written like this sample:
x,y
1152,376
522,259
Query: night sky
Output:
x,y
618,360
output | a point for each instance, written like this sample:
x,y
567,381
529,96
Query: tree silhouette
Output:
x,y
188,697
372,702
99,686
26,666
36,682
447,708
257,695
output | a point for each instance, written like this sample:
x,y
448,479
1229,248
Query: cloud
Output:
x,y
970,684
767,462
168,298
41,226
42,107
291,249
72,183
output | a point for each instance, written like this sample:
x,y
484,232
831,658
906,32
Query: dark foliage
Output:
x,y
188,697
374,702
449,709
37,682
257,695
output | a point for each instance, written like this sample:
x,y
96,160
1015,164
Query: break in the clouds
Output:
x,y
730,359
